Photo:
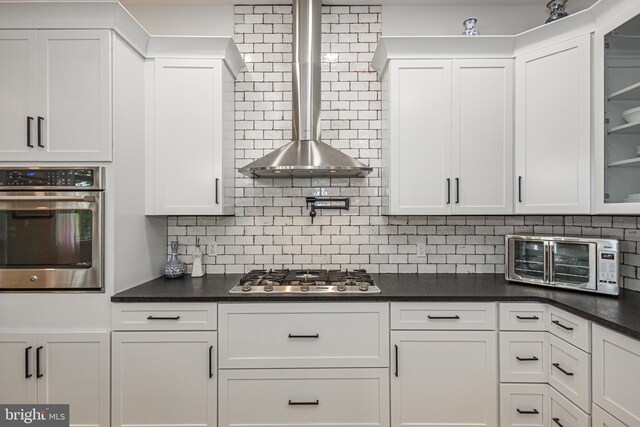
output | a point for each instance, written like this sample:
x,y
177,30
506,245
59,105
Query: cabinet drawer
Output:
x,y
570,328
523,357
523,405
304,397
163,317
445,316
304,335
523,317
570,372
563,413
601,418
616,375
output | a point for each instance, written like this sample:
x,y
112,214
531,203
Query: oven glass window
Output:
x,y
529,259
571,263
46,239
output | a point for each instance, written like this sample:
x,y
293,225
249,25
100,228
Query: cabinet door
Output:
x,y
75,95
187,142
164,379
419,145
19,94
482,146
17,367
444,378
553,129
74,369
601,418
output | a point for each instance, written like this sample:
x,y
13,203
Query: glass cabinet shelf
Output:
x,y
629,128
626,163
629,93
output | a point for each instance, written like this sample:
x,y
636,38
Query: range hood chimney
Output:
x,y
306,155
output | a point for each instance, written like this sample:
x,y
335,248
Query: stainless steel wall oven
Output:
x,y
51,229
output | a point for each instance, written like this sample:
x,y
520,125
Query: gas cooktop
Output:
x,y
306,281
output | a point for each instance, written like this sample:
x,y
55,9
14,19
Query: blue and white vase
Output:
x,y
470,27
174,268
556,10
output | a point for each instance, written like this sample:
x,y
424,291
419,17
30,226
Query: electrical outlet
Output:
x,y
212,249
421,249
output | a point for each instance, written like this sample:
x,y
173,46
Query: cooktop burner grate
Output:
x,y
306,281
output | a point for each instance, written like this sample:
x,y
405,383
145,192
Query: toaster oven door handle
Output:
x,y
545,262
551,263
82,198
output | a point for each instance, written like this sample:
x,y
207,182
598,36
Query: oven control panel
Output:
x,y
607,267
49,177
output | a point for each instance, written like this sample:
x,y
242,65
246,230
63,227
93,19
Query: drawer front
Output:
x,y
163,317
572,329
523,357
304,397
304,335
570,372
601,418
616,375
523,317
563,413
443,316
523,405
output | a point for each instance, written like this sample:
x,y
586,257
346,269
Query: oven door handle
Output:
x,y
83,198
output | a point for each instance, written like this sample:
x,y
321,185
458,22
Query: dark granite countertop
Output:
x,y
621,314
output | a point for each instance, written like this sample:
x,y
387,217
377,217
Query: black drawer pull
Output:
x,y
396,347
566,328
27,371
163,318
304,336
29,120
527,359
311,402
557,421
527,318
534,412
456,317
40,120
210,360
557,366
39,373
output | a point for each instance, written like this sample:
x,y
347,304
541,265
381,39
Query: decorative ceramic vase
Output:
x,y
174,268
556,10
470,27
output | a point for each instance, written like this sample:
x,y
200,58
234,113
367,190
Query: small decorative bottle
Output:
x,y
174,268
556,10
197,270
470,27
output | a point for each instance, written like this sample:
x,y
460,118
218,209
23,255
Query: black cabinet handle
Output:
x,y
39,373
457,190
533,412
527,318
29,120
396,348
527,359
520,189
557,421
40,120
448,191
210,361
456,317
566,328
312,402
163,318
304,336
567,373
217,185
27,371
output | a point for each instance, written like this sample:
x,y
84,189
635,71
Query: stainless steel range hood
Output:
x,y
306,155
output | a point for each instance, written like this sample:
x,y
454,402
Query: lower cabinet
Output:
x,y
524,405
444,378
58,367
601,418
304,397
164,379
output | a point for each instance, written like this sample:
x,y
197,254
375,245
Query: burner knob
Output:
x,y
364,286
304,288
341,287
246,286
268,287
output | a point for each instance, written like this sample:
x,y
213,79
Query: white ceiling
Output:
x,y
338,2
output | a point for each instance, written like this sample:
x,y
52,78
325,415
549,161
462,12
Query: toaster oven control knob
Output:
x,y
33,278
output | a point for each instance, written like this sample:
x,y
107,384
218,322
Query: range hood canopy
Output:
x,y
306,155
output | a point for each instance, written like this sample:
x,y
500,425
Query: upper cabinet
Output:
x,y
553,128
448,139
58,83
190,127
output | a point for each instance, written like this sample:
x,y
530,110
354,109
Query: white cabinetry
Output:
x,y
447,148
57,90
58,367
553,128
190,135
443,377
